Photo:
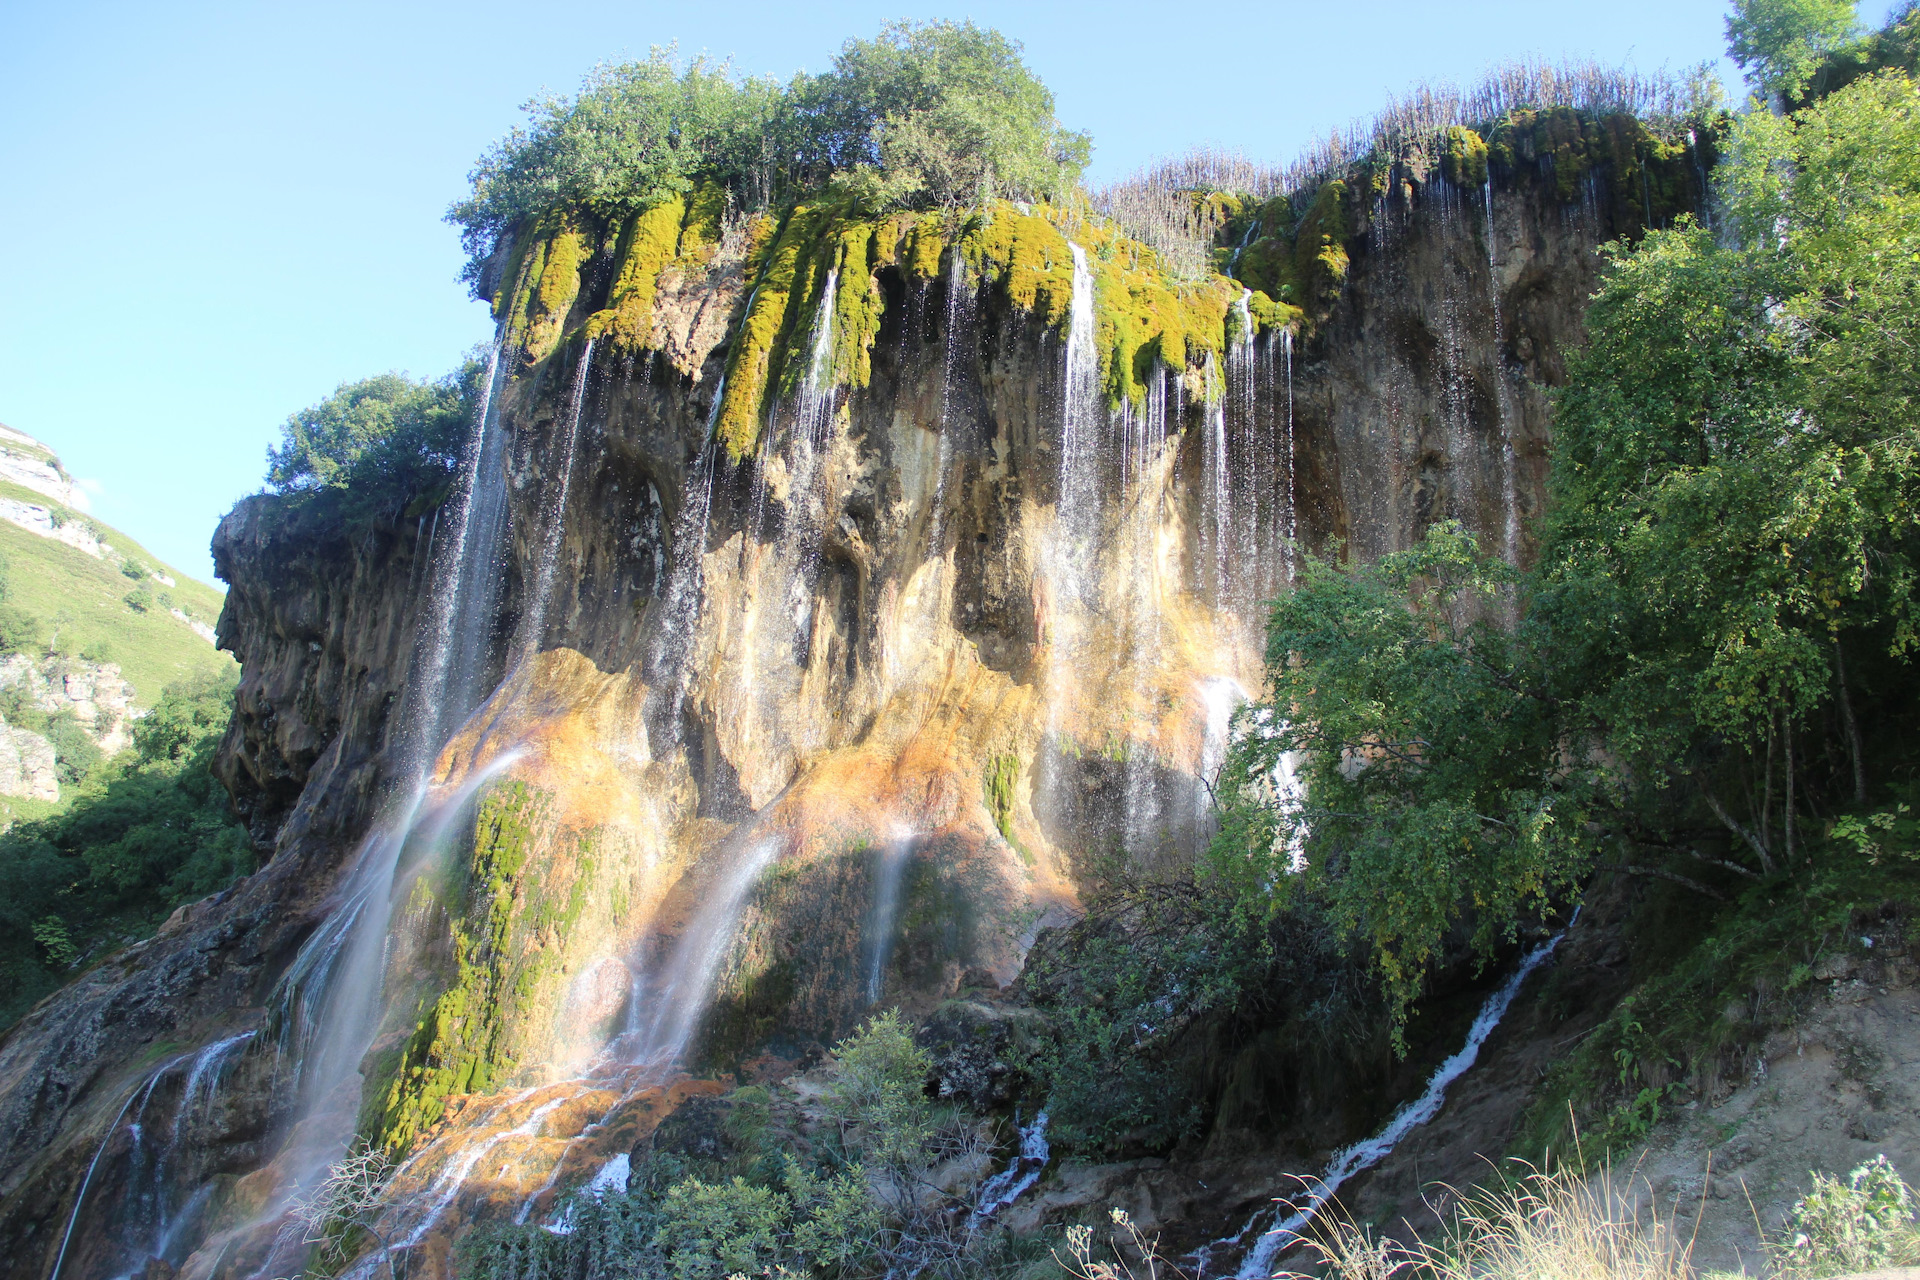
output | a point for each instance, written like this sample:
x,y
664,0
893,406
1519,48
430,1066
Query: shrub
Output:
x,y
709,1232
924,115
142,833
880,1098
385,438
1861,1224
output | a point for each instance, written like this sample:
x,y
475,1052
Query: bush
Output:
x,y
709,1232
141,834
385,439
925,114
1860,1225
880,1096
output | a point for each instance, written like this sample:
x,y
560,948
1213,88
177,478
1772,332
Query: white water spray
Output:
x,y
1365,1154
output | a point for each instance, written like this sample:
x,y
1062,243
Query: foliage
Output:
x,y
934,114
939,114
146,831
1127,989
1732,530
1741,972
381,439
1439,782
1780,43
1862,1224
709,1232
879,1097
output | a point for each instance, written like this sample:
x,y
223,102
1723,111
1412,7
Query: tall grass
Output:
x,y
1156,204
1545,1226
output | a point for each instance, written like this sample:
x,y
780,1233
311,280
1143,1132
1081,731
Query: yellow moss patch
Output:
x,y
765,327
647,245
558,284
1027,256
1463,157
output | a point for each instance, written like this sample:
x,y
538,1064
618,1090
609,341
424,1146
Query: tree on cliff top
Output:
x,y
380,439
925,114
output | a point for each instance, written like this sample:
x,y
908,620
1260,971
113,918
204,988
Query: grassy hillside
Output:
x,y
82,603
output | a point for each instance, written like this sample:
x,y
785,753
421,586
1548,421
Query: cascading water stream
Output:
x,y
327,1005
888,875
1509,466
1293,502
1363,1155
684,989
533,626
1068,547
1003,1188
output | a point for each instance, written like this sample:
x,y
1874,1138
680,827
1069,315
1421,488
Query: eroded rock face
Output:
x,y
27,765
777,741
93,693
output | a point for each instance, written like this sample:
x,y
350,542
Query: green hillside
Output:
x,y
99,609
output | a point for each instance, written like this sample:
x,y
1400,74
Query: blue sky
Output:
x,y
216,213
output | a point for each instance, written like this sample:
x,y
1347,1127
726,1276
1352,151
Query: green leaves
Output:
x,y
1780,43
1442,784
384,438
925,115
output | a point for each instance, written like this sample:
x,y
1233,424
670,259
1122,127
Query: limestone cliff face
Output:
x,y
771,739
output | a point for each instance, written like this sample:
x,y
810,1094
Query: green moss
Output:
x,y
1002,772
857,306
1320,250
545,280
649,242
1026,256
463,1041
1651,179
1463,157
759,347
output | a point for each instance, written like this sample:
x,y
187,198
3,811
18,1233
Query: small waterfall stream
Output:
x,y
1363,1155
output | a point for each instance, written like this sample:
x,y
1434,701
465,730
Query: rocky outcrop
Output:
x,y
92,693
836,721
27,765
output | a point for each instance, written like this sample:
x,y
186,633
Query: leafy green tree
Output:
x,y
637,133
1780,43
939,113
142,834
1734,524
383,438
925,115
1440,781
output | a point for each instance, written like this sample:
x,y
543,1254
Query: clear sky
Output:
x,y
216,213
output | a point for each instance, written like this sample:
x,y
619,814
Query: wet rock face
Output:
x,y
828,729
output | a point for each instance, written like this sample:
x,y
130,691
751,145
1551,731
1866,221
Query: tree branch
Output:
x,y
1659,874
1720,812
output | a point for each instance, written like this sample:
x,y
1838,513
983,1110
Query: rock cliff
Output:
x,y
777,713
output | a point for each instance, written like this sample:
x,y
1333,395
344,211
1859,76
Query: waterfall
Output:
x,y
1066,553
1363,1155
1080,408
1509,466
1003,1188
1217,498
533,626
814,410
683,990
671,652
1292,524
325,1008
892,860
